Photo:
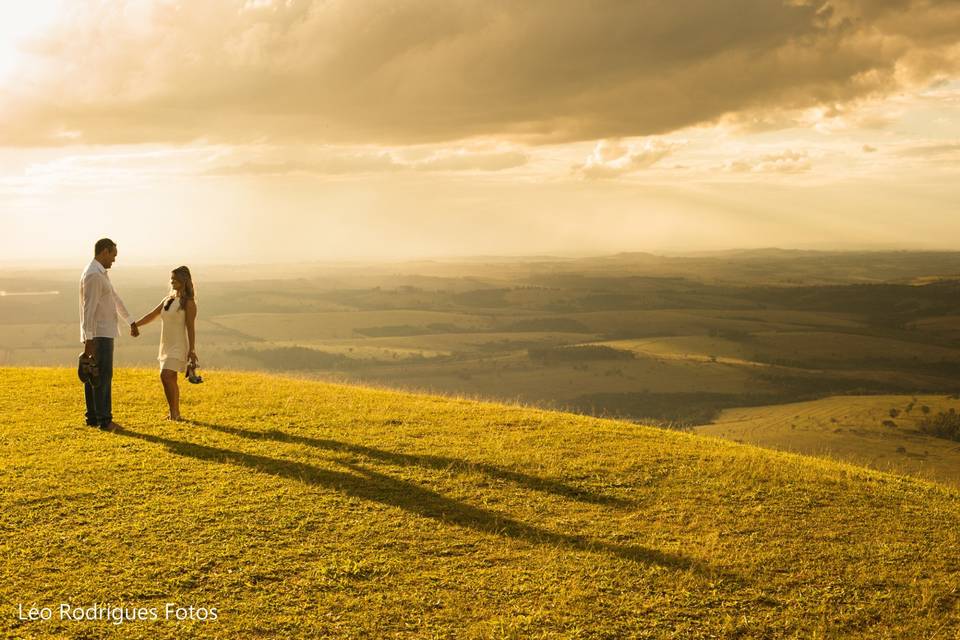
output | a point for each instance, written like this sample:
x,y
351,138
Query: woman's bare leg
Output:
x,y
172,391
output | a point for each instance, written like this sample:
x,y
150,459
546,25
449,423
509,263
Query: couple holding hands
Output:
x,y
101,309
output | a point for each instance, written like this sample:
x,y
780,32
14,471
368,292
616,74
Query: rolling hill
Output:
x,y
303,509
881,432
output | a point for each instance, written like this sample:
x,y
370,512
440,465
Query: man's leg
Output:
x,y
102,392
88,395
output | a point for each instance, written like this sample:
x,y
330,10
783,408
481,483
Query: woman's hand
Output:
x,y
192,356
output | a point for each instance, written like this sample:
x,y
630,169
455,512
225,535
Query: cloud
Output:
x,y
105,171
610,159
332,165
378,71
462,160
931,150
784,162
337,161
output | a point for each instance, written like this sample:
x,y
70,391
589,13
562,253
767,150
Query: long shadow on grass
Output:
x,y
377,487
433,462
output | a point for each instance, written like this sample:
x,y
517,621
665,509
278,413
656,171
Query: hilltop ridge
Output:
x,y
307,509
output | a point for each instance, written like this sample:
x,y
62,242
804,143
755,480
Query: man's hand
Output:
x,y
134,329
88,348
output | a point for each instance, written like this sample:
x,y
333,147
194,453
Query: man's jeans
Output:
x,y
99,407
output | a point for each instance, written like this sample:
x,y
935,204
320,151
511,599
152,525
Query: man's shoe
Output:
x,y
87,370
113,426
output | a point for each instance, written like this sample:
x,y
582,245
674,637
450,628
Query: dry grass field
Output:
x,y
851,428
304,509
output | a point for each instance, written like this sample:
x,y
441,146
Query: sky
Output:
x,y
235,131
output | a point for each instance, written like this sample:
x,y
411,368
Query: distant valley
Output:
x,y
678,342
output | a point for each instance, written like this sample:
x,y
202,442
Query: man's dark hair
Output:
x,y
103,243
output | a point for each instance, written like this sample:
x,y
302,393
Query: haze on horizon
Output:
x,y
278,131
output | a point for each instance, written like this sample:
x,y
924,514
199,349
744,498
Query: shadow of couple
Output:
x,y
364,483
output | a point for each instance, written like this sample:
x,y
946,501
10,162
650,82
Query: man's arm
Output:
x,y
89,299
121,308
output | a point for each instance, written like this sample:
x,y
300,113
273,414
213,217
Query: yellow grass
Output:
x,y
302,509
851,428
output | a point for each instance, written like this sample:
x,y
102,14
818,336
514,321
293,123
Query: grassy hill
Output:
x,y
304,509
881,432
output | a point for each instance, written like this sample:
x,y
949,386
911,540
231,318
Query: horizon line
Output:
x,y
503,258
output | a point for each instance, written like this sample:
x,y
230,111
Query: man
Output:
x,y
100,309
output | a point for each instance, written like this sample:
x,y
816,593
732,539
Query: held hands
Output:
x,y
134,329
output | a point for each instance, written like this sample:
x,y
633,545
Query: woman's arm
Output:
x,y
150,317
192,330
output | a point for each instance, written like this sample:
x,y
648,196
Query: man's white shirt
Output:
x,y
100,306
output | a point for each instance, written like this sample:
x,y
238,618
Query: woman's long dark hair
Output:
x,y
189,293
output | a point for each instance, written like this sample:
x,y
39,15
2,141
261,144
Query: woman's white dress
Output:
x,y
173,337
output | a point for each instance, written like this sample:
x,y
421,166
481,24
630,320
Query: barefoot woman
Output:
x,y
178,316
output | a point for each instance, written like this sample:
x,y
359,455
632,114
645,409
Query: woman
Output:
x,y
178,317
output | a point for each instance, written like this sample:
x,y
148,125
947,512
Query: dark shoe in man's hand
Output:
x,y
87,370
